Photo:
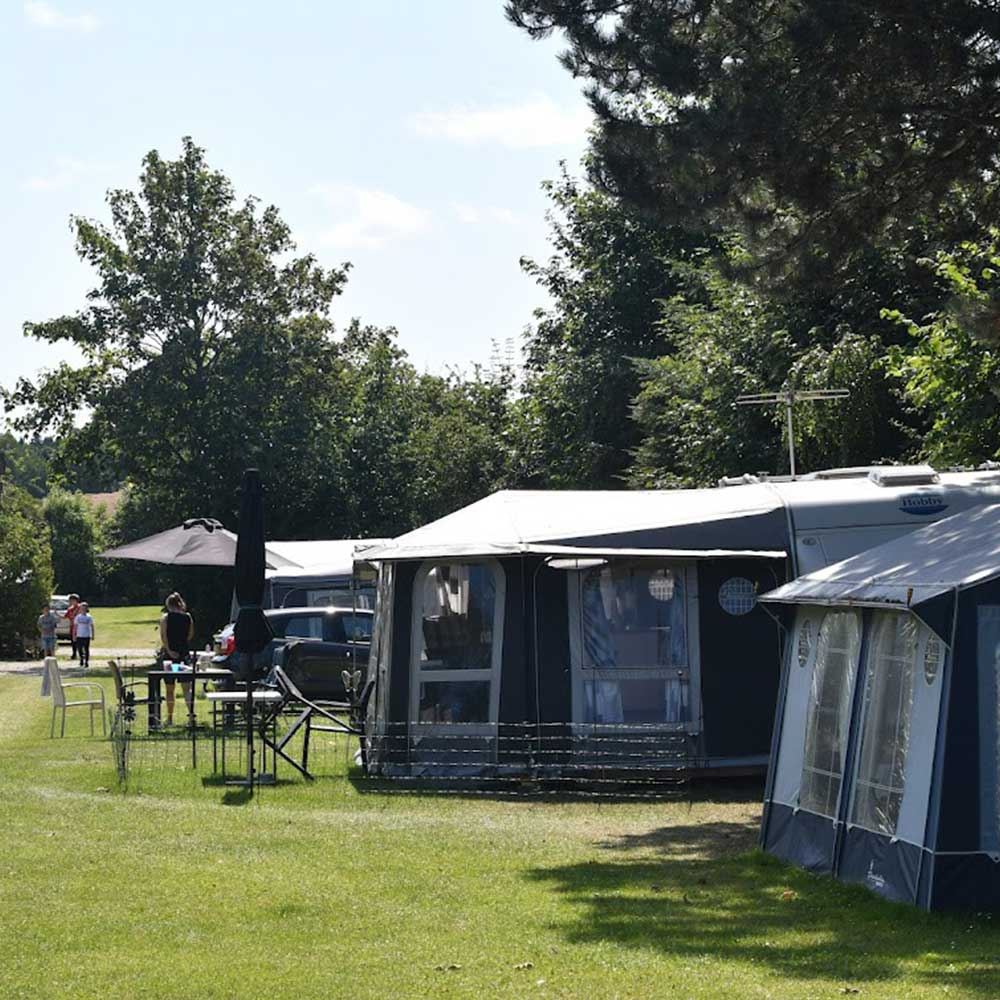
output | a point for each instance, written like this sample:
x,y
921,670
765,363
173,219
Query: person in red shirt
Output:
x,y
71,612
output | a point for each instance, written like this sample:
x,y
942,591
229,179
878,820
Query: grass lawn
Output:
x,y
178,889
127,628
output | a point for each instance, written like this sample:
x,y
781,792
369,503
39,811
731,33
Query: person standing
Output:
x,y
48,620
84,623
176,633
71,612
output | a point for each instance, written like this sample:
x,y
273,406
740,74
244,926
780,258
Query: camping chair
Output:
x,y
59,700
292,697
125,696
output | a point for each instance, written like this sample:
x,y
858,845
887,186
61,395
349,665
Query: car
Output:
x,y
59,605
340,637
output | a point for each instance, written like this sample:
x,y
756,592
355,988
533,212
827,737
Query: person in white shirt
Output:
x,y
84,622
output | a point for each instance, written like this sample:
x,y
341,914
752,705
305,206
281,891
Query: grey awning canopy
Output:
x,y
917,572
748,521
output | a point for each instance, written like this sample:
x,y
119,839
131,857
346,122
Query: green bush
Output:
x,y
25,569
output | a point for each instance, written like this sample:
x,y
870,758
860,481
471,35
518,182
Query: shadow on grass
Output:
x,y
695,891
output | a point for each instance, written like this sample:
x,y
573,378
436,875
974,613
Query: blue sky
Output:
x,y
409,137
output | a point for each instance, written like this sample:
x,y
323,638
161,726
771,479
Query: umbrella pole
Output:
x,y
248,662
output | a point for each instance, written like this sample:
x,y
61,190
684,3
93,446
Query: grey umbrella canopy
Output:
x,y
200,541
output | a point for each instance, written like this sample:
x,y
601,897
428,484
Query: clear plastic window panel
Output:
x,y
634,644
644,701
829,713
458,617
885,722
455,701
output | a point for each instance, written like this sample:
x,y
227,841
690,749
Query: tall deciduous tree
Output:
x,y
607,274
205,347
77,535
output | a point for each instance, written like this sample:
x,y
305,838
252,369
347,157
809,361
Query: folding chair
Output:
x,y
59,700
291,697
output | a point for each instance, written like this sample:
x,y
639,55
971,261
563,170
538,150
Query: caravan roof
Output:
x,y
318,559
752,517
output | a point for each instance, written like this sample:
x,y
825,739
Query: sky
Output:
x,y
409,137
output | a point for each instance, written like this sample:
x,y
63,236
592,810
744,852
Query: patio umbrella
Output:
x,y
199,541
252,631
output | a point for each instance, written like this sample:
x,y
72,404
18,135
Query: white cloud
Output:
x,y
536,121
43,15
369,218
470,215
64,174
466,214
505,216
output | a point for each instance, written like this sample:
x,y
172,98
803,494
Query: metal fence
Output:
x,y
524,759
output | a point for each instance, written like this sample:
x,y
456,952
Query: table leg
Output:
x,y
154,703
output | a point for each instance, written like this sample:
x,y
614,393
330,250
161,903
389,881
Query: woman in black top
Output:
x,y
176,633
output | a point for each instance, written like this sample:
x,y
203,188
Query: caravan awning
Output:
x,y
639,522
400,552
920,571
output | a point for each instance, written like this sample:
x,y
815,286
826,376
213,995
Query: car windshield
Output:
x,y
57,604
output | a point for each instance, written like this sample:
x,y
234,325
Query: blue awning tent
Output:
x,y
884,766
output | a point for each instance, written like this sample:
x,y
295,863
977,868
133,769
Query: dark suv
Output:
x,y
337,639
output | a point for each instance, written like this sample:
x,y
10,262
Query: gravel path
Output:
x,y
98,657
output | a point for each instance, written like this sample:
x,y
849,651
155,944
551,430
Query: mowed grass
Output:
x,y
127,628
181,888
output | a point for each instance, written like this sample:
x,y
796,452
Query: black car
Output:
x,y
337,638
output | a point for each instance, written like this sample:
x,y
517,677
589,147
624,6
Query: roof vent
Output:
x,y
745,480
852,472
903,475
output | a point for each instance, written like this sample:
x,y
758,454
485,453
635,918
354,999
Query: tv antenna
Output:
x,y
788,398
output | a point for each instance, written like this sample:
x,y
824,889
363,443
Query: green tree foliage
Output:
x,y
817,128
206,347
77,534
692,431
27,462
951,370
25,568
416,446
608,271
729,340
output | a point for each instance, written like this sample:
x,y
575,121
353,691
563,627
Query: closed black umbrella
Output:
x,y
252,630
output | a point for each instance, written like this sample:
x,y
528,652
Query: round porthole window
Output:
x,y
737,596
661,585
932,658
805,642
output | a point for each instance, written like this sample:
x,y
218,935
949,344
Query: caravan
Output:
x,y
548,633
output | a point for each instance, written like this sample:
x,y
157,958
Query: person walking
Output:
x,y
48,620
84,622
176,633
71,612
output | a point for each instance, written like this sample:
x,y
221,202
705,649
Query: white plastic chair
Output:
x,y
59,700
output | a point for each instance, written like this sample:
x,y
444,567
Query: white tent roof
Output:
x,y
320,558
952,554
511,522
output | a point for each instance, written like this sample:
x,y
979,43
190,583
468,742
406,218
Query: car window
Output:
x,y
358,627
304,627
58,605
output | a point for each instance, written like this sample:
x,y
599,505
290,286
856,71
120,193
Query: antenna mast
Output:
x,y
788,398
